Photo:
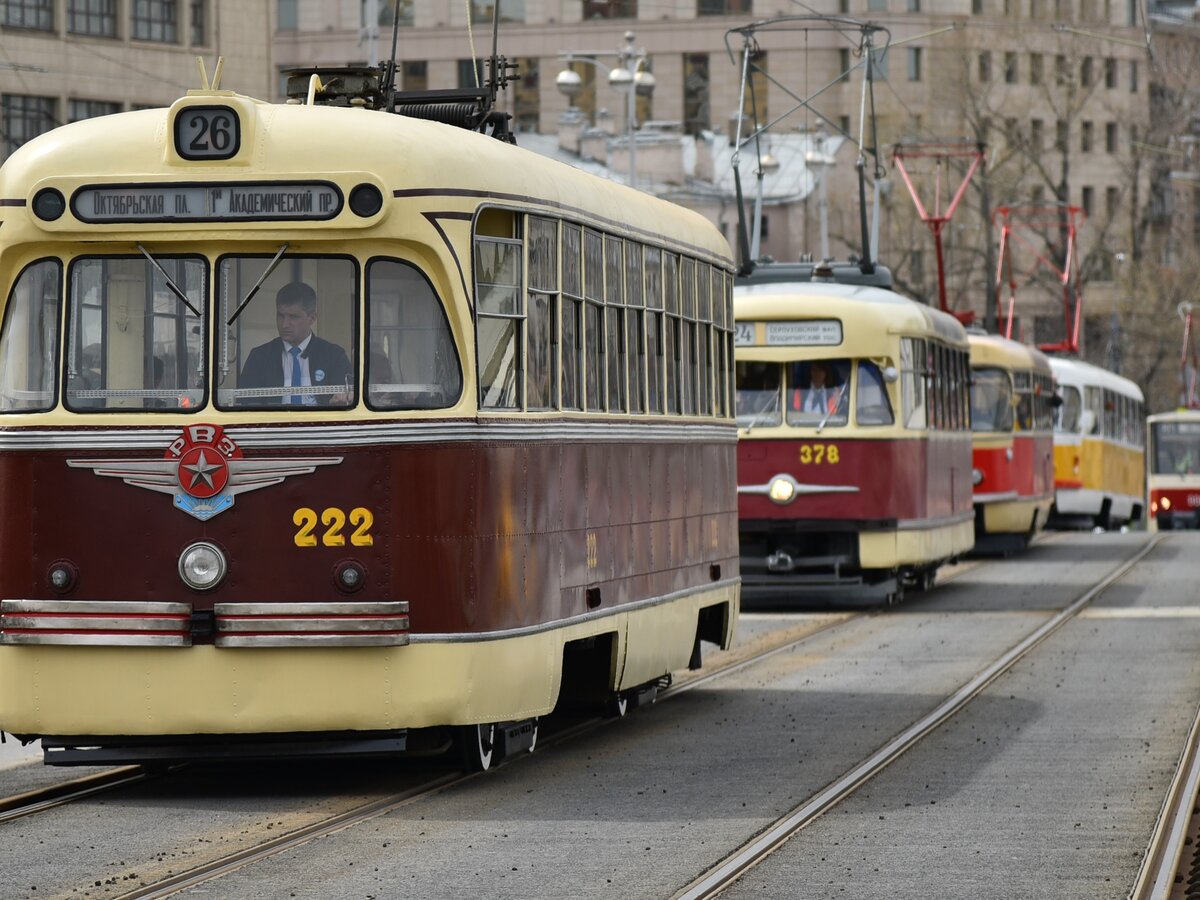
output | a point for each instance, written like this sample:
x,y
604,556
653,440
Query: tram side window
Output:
x,y
635,327
872,406
412,362
135,333
758,393
614,311
541,322
704,392
1176,448
291,343
991,400
29,342
1043,397
572,316
1024,389
912,382
672,338
499,311
593,322
1094,403
656,343
687,336
1066,417
818,392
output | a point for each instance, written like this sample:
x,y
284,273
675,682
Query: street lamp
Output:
x,y
630,76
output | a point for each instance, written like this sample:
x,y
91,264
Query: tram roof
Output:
x,y
995,350
863,309
1175,415
319,142
1077,373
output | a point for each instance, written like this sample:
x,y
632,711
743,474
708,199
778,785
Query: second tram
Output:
x,y
1099,447
1012,414
854,462
1173,476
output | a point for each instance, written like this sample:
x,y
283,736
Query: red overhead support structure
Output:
x,y
1016,222
941,153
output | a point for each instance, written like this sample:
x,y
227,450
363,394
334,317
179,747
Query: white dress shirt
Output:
x,y
305,377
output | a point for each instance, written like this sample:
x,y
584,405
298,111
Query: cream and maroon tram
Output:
x,y
1012,420
854,459
1173,477
319,425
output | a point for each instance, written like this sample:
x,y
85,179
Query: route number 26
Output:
x,y
334,521
816,454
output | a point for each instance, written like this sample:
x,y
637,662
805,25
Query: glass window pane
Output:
x,y
654,362
29,343
498,275
653,278
872,406
571,313
991,400
133,343
593,354
499,363
635,356
540,366
543,254
412,362
758,393
818,392
616,359
305,304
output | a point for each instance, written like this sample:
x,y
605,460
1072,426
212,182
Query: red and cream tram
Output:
x,y
1173,479
1012,421
319,425
854,462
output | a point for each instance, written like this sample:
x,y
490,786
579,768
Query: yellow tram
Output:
x,y
320,425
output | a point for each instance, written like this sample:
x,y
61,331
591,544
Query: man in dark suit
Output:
x,y
298,357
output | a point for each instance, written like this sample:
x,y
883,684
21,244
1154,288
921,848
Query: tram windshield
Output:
x,y
818,391
135,333
1176,448
758,394
872,406
29,343
1066,417
991,400
289,331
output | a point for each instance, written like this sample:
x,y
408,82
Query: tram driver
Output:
x,y
298,358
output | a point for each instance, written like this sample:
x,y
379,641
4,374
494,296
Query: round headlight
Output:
x,y
49,204
976,477
366,200
1166,503
202,566
782,490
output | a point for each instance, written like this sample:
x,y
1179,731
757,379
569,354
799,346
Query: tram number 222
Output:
x,y
817,454
334,520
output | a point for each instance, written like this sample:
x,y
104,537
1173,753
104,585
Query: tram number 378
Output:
x,y
818,454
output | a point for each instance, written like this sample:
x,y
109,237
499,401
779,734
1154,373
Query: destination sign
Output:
x,y
242,202
812,333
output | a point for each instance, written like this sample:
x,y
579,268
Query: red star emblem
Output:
x,y
203,473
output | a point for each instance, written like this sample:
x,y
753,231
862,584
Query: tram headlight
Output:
x,y
782,490
977,477
49,204
1166,502
202,566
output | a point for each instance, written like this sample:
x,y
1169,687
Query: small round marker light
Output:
x,y
366,200
976,477
782,490
62,576
202,566
49,204
349,576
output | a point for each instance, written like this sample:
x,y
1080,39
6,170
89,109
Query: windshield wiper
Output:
x,y
837,401
254,290
770,409
171,284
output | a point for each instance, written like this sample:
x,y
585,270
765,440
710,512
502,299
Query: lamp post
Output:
x,y
629,76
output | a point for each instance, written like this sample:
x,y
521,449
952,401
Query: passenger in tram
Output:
x,y
298,358
823,389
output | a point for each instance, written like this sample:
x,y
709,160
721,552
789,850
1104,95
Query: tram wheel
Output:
x,y
478,746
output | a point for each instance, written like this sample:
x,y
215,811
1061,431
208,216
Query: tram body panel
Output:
x,y
1173,470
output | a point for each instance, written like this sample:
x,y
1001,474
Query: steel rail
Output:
x,y
40,799
774,836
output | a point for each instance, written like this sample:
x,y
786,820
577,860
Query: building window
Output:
x,y
37,14
1035,9
843,60
483,10
286,18
695,93
25,118
844,125
722,7
844,7
1112,199
1060,135
1088,198
1036,135
470,73
95,17
610,9
1085,72
1085,137
1133,76
1110,73
1062,73
985,66
414,75
526,97
754,104
977,7
199,22
914,6
877,5
404,9
1010,68
78,110
155,20
1036,62
1110,137
914,63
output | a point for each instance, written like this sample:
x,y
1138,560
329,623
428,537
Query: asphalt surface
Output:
x,y
1047,785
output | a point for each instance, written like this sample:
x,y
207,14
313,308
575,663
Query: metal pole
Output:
x,y
631,126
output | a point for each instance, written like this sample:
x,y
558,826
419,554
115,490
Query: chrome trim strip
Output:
x,y
799,488
571,620
360,608
96,606
312,640
370,434
943,522
300,626
100,640
996,497
97,623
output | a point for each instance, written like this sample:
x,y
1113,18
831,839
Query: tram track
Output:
x,y
28,803
775,835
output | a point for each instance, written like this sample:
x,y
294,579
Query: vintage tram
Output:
x,y
1012,415
1173,476
854,459
1099,447
325,429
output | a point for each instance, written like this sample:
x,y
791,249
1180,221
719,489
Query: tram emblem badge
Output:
x,y
204,469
